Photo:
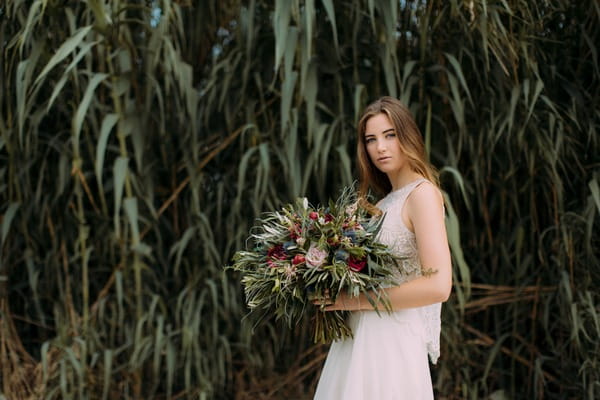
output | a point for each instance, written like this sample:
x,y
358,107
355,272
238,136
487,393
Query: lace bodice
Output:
x,y
403,243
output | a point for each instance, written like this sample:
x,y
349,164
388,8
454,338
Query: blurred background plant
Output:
x,y
141,139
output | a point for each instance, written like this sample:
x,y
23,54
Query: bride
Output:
x,y
387,357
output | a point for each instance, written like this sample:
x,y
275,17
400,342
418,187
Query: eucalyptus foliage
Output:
x,y
140,140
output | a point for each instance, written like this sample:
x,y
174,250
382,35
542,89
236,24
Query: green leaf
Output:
x,y
458,71
64,51
108,123
108,360
595,189
131,210
84,105
85,50
120,174
281,21
331,14
7,219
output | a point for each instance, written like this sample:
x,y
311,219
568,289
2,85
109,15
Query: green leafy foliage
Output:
x,y
140,140
303,253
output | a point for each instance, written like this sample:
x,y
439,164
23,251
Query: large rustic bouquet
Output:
x,y
302,253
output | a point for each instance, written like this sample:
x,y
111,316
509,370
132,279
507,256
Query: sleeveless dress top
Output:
x,y
387,357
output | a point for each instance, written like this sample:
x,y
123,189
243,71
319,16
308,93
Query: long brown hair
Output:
x,y
411,144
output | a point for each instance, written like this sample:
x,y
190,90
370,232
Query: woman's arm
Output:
x,y
424,207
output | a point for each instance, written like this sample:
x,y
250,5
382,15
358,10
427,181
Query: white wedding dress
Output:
x,y
387,357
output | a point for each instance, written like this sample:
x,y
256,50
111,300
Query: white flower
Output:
x,y
351,209
290,271
305,203
300,241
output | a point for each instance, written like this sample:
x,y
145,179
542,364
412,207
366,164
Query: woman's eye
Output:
x,y
369,140
390,135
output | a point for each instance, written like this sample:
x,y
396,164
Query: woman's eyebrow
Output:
x,y
386,131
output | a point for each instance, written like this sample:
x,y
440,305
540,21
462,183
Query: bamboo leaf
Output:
x,y
346,168
25,95
359,91
64,51
281,21
108,122
458,178
108,359
309,15
131,210
331,15
310,95
458,71
371,5
180,246
453,229
120,174
7,219
595,189
102,17
287,94
85,50
387,62
85,104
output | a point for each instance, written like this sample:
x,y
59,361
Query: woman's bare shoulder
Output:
x,y
426,193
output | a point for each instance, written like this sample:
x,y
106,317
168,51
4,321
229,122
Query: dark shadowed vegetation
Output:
x,y
139,140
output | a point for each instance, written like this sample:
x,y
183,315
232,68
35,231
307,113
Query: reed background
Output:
x,y
141,139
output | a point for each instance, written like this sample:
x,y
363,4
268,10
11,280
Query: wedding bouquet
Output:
x,y
302,253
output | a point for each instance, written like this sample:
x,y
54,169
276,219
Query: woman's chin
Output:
x,y
386,169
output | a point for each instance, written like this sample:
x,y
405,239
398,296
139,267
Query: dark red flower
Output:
x,y
295,231
328,218
357,265
277,252
298,259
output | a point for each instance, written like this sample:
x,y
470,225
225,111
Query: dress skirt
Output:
x,y
385,360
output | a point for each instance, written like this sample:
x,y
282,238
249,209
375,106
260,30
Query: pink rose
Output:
x,y
313,215
315,256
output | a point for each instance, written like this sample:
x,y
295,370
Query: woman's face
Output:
x,y
383,146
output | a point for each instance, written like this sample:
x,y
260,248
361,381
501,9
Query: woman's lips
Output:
x,y
381,159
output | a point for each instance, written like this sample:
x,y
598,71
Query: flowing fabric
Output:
x,y
387,357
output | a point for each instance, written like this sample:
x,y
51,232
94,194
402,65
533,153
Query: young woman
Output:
x,y
387,357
